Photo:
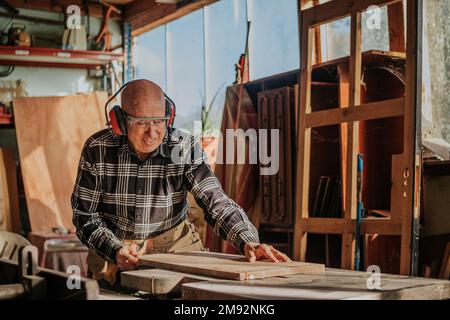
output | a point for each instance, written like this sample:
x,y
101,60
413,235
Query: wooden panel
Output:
x,y
51,132
344,95
340,226
233,267
367,111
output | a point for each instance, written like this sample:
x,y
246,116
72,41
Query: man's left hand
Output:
x,y
259,251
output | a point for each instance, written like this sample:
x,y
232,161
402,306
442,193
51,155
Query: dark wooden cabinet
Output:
x,y
276,110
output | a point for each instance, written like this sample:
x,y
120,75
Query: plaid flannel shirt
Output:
x,y
117,196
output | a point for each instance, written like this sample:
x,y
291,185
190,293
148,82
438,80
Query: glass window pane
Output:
x,y
274,38
186,68
337,38
374,29
150,56
225,34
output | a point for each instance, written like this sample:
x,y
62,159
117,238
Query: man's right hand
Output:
x,y
127,258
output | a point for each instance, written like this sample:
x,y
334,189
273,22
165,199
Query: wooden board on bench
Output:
x,y
226,266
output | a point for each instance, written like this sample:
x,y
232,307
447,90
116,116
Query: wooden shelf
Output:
x,y
375,118
55,58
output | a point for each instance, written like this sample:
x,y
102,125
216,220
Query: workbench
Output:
x,y
333,284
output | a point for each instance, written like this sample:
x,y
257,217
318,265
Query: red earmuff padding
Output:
x,y
172,115
118,121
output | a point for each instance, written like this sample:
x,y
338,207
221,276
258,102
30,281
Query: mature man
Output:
x,y
130,196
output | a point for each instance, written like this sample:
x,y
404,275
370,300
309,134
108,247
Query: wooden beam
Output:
x,y
409,136
348,240
380,226
347,243
367,111
144,15
304,141
335,10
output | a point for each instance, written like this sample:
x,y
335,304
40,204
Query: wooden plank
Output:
x,y
366,111
233,267
409,137
367,56
303,141
342,226
157,281
50,143
333,284
317,40
344,95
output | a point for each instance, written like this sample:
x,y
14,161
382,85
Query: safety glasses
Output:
x,y
144,122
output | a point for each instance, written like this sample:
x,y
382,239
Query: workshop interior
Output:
x,y
339,113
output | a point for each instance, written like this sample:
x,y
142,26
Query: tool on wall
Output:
x,y
104,37
17,36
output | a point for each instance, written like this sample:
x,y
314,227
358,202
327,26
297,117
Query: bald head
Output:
x,y
143,98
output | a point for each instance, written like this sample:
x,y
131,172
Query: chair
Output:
x,y
10,243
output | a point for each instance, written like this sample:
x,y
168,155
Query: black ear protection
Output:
x,y
116,119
